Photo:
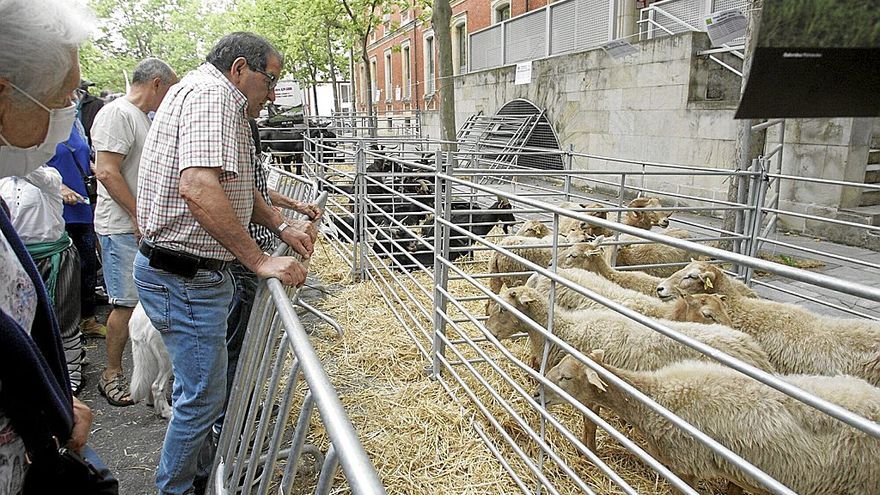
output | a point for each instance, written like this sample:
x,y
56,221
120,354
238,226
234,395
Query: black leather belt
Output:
x,y
183,264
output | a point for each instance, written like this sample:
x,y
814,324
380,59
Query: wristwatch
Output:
x,y
283,226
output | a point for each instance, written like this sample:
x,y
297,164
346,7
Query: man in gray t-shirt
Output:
x,y
118,135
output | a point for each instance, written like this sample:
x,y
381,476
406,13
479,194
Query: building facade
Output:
x,y
403,53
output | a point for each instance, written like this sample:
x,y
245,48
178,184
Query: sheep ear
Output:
x,y
723,297
597,241
595,381
524,297
706,278
598,355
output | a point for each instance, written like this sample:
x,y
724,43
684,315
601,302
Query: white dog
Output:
x,y
152,365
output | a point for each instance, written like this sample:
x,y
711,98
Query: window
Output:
x,y
429,64
407,71
500,12
459,47
388,93
373,79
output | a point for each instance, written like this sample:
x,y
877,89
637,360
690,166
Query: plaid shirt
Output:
x,y
201,123
264,237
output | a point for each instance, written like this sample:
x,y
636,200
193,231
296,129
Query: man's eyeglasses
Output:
x,y
272,80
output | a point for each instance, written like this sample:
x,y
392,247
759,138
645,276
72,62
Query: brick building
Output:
x,y
403,53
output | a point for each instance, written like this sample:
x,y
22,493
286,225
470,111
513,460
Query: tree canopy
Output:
x,y
313,35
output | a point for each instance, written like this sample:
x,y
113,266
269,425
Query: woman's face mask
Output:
x,y
22,161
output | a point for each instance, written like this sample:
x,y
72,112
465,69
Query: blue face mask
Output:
x,y
151,115
15,161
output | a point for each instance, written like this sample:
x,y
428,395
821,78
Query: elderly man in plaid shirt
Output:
x,y
197,181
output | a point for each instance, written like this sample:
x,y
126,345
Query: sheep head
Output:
x,y
647,219
582,255
533,228
701,308
698,277
503,323
591,230
578,380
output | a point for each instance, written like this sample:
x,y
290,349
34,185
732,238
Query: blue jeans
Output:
x,y
117,257
191,316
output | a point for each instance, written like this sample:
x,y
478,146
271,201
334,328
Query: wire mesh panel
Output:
x,y
689,12
526,37
592,22
563,27
486,49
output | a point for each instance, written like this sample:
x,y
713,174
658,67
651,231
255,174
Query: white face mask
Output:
x,y
22,161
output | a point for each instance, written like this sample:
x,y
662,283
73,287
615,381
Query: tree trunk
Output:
x,y
368,84
314,74
749,145
336,104
441,17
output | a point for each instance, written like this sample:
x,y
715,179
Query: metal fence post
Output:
x,y
360,231
442,206
567,164
620,195
761,184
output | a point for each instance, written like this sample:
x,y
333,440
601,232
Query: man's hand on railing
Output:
x,y
285,268
300,235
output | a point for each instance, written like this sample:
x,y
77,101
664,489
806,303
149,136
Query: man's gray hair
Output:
x,y
253,48
37,43
151,68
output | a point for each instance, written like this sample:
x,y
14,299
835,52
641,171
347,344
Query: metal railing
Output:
x,y
432,275
355,124
560,27
257,439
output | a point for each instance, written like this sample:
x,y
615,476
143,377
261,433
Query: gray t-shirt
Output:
x,y
120,127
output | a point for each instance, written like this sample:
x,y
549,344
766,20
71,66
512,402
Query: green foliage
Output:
x,y
178,31
820,24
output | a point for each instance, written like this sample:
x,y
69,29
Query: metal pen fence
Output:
x,y
426,253
259,450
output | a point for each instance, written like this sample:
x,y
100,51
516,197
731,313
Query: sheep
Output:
x,y
801,447
796,340
527,247
689,277
567,224
586,256
652,253
536,249
533,228
634,218
569,299
629,343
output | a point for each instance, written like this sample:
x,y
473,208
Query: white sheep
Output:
x,y
533,228
652,253
808,451
635,217
688,278
797,340
536,250
628,343
569,299
588,257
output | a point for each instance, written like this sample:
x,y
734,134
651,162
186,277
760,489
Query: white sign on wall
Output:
x,y
619,48
523,73
724,27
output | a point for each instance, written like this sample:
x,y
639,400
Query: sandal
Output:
x,y
115,390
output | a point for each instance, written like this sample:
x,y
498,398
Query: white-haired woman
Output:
x,y
39,42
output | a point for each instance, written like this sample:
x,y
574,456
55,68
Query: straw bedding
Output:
x,y
420,440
